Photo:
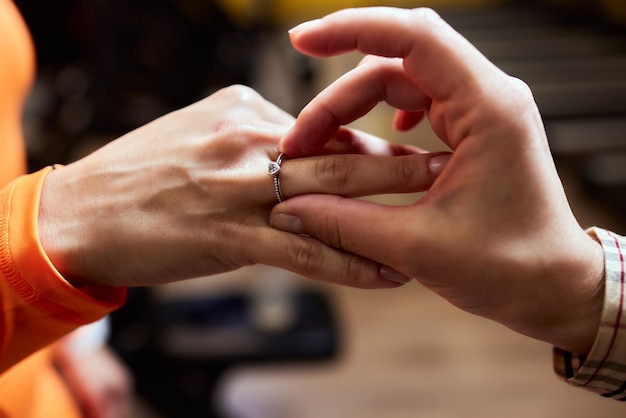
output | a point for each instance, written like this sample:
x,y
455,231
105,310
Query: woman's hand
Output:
x,y
494,235
189,195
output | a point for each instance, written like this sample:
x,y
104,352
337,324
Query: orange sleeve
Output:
x,y
38,306
17,68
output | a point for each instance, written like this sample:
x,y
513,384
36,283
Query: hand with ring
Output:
x,y
188,195
494,235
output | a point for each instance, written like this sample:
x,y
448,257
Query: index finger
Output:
x,y
437,58
445,72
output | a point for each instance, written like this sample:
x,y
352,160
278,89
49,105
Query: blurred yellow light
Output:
x,y
281,12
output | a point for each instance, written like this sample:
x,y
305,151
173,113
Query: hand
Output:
x,y
494,235
188,195
98,380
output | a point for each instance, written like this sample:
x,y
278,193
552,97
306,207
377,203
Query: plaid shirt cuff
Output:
x,y
604,369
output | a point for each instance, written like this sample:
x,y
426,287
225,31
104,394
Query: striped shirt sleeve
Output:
x,y
604,370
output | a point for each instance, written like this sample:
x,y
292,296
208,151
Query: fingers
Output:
x,y
353,141
359,175
437,58
442,70
315,260
349,98
404,121
371,230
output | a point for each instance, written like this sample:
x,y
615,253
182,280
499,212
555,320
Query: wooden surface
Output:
x,y
407,353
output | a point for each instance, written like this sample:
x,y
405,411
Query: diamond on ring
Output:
x,y
273,170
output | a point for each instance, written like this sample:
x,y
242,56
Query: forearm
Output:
x,y
38,305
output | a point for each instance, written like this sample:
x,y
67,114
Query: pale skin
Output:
x,y
188,195
495,234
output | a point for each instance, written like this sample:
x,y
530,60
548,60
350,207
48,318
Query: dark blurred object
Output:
x,y
178,351
108,66
609,12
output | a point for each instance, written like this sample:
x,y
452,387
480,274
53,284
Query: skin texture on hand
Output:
x,y
494,235
188,195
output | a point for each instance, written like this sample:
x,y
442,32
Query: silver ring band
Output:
x,y
273,170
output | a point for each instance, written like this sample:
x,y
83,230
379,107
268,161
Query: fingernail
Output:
x,y
437,163
303,26
287,223
392,275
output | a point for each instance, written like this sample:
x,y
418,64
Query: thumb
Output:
x,y
363,228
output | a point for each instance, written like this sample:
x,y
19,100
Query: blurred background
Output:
x,y
260,342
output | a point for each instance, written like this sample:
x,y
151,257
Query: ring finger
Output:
x,y
356,175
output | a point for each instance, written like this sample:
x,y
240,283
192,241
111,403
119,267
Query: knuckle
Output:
x,y
239,93
411,171
427,15
356,273
519,100
334,172
522,92
307,255
333,234
328,231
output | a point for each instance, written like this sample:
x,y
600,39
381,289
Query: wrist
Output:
x,y
578,298
59,228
